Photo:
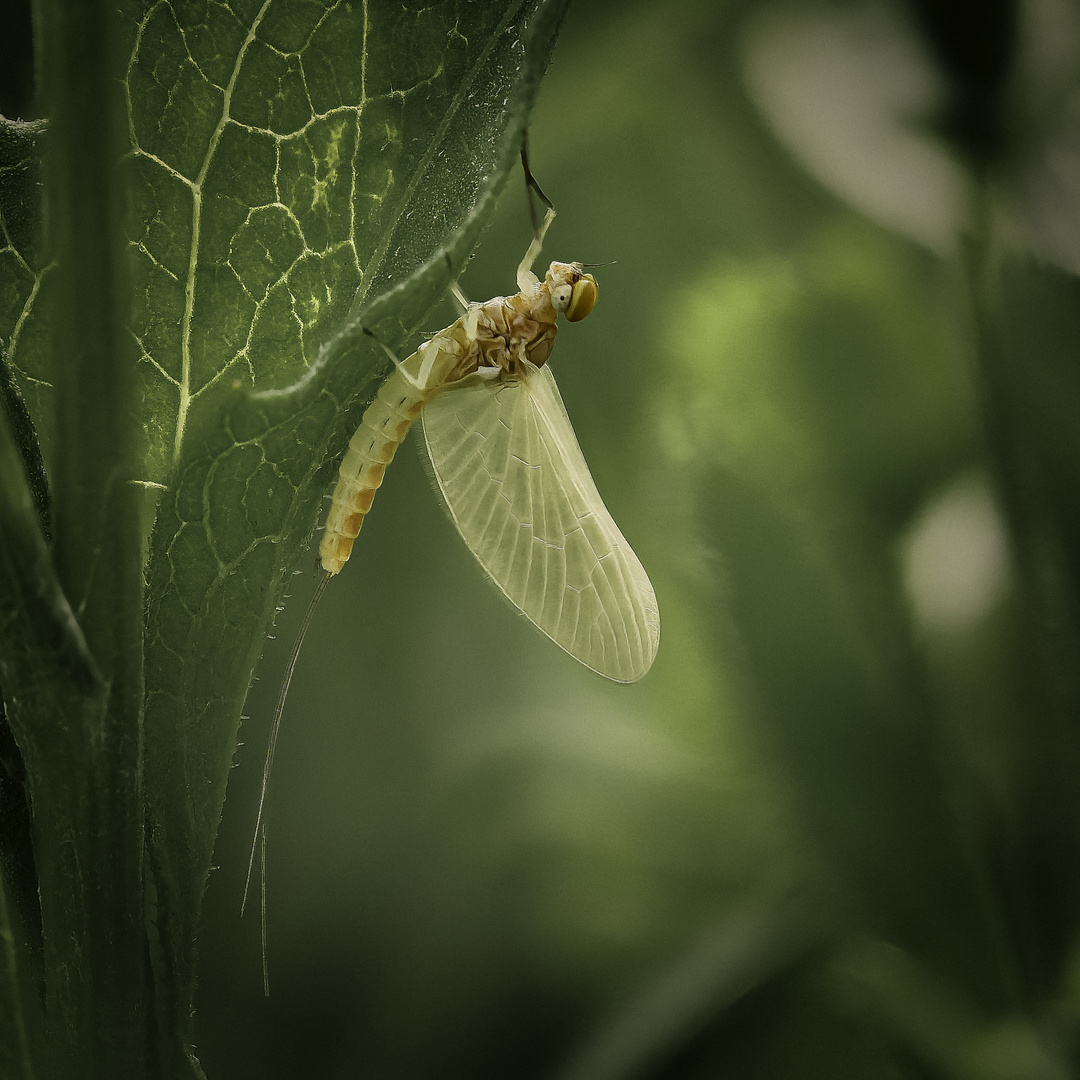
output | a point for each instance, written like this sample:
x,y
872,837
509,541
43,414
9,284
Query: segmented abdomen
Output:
x,y
385,423
498,335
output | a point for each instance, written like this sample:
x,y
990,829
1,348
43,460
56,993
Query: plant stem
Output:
x,y
84,755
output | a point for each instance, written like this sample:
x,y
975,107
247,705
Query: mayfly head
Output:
x,y
572,292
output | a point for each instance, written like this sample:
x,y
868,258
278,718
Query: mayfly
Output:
x,y
511,472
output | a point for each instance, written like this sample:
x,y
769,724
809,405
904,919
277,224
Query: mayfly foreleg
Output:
x,y
399,364
525,277
455,292
459,297
531,188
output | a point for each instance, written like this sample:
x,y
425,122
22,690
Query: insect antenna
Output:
x,y
258,842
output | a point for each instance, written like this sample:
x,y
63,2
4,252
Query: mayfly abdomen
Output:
x,y
385,423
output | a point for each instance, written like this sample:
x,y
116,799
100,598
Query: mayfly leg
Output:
x,y
409,378
532,187
458,296
525,277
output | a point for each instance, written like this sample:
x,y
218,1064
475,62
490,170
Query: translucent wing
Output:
x,y
520,493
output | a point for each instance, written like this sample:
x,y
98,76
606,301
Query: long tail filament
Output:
x,y
258,842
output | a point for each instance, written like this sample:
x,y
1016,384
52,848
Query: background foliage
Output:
x,y
830,394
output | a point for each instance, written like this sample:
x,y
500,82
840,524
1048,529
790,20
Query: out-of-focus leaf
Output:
x,y
826,409
932,1017
1030,342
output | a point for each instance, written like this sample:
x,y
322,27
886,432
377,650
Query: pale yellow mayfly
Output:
x,y
511,472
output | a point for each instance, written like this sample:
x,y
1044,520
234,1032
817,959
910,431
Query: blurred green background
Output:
x,y
833,832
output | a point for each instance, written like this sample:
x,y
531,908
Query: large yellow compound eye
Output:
x,y
582,298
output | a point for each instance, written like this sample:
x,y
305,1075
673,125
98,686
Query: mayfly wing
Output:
x,y
521,495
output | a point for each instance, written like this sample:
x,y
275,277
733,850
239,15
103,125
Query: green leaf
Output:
x,y
299,174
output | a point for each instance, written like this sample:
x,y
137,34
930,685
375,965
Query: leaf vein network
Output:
x,y
196,227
